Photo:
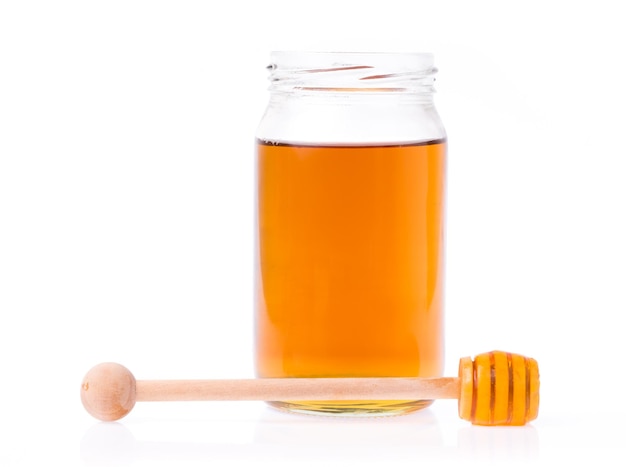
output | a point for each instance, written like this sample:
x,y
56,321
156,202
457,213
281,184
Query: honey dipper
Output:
x,y
496,388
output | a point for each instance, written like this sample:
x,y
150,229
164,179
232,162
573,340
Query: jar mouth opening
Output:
x,y
352,71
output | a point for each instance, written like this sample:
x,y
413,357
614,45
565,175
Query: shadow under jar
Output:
x,y
351,161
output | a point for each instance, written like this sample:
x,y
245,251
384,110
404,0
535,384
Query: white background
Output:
x,y
126,207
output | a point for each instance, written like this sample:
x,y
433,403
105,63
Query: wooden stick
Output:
x,y
298,389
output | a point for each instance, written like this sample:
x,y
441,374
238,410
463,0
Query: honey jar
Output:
x,y
350,222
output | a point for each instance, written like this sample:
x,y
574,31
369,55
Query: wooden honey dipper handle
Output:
x,y
497,388
302,389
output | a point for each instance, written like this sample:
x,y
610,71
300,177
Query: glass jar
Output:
x,y
351,161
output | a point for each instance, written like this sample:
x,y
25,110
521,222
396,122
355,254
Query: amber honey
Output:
x,y
350,265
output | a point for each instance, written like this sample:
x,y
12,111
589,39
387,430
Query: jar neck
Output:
x,y
333,74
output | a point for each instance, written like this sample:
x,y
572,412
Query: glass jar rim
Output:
x,y
352,72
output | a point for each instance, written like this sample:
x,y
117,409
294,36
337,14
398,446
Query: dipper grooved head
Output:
x,y
498,388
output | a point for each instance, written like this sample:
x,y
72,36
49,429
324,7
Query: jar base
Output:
x,y
351,408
